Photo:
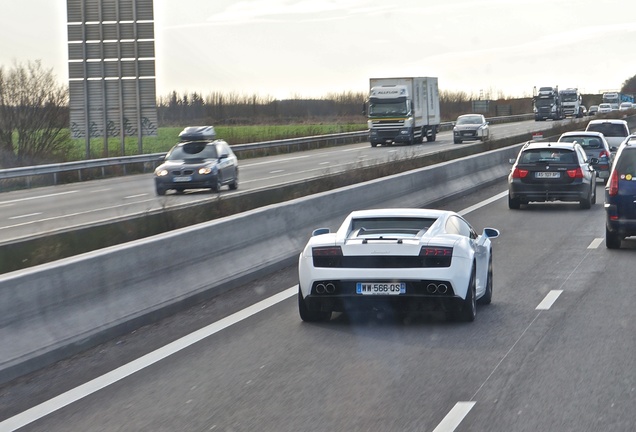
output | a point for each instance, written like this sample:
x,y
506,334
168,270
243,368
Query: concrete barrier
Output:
x,y
55,310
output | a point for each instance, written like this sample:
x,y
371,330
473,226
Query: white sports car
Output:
x,y
402,260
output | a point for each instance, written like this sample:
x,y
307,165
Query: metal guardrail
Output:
x,y
287,145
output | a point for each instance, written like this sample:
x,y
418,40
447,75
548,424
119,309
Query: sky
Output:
x,y
314,48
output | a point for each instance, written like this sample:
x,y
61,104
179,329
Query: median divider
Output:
x,y
54,310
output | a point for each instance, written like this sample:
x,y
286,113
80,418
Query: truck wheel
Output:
x,y
432,136
374,144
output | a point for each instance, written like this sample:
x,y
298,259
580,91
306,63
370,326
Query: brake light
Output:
x,y
604,153
433,251
519,173
327,251
575,173
613,184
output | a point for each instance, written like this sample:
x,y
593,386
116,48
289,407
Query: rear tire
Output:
x,y
468,308
308,315
487,297
586,203
612,240
432,136
514,203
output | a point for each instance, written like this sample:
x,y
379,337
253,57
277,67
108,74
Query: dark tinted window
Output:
x,y
586,142
194,150
548,155
626,162
608,129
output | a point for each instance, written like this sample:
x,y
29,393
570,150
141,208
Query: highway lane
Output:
x,y
44,210
555,351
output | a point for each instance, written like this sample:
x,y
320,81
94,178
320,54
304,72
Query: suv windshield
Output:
x,y
608,129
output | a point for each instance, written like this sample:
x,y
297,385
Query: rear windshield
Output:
x,y
608,129
626,163
548,155
587,142
389,225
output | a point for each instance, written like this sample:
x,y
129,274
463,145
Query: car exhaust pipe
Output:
x,y
431,288
442,288
320,289
330,288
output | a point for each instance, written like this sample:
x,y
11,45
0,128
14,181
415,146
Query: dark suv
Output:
x,y
620,195
552,171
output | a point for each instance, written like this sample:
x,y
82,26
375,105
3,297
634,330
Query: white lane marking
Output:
x,y
595,243
73,395
38,197
483,203
276,171
135,196
74,214
549,300
454,417
324,163
25,216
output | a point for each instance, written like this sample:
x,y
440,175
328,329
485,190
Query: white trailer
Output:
x,y
403,110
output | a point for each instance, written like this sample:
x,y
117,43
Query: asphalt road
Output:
x,y
45,210
555,351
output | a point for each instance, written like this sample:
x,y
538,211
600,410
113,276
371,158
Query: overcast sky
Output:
x,y
310,48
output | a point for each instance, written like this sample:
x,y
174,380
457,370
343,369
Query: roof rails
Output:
x,y
194,133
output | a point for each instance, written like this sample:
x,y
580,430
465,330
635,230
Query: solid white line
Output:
x,y
276,171
595,243
454,417
73,395
549,300
38,197
483,203
25,216
135,196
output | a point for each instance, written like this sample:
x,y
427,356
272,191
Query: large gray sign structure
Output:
x,y
111,70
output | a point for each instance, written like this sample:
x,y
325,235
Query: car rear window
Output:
x,y
586,142
389,225
608,129
626,163
548,155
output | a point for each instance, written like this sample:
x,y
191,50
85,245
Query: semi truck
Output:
x,y
547,104
572,102
616,98
402,110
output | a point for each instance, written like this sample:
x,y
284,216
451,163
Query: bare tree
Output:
x,y
33,116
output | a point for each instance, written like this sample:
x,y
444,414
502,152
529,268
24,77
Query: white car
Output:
x,y
400,260
614,130
470,127
624,106
604,108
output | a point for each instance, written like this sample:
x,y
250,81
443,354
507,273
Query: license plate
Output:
x,y
547,175
182,179
380,288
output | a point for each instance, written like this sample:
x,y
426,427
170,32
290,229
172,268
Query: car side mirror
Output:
x,y
593,161
320,231
512,161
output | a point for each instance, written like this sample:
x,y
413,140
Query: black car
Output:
x,y
552,171
199,161
620,196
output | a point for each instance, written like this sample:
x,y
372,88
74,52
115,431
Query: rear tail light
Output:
x,y
327,256
327,251
575,173
436,256
603,154
429,251
519,173
613,184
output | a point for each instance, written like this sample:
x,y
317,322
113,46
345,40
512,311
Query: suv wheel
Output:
x,y
612,239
